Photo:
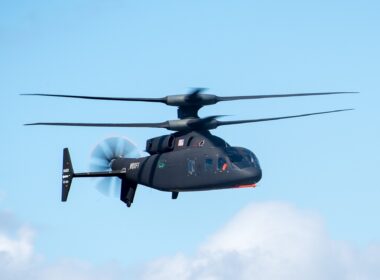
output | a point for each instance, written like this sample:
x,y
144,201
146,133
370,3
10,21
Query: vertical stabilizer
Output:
x,y
67,174
128,189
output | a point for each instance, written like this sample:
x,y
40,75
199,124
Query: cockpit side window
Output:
x,y
222,164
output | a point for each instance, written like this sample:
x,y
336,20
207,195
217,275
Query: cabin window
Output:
x,y
209,166
191,167
222,164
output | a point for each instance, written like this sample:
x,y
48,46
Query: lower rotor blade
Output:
x,y
220,123
230,98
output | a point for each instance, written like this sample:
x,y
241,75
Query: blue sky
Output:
x,y
326,166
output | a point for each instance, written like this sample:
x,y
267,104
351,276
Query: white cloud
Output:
x,y
16,253
18,259
262,241
271,241
19,250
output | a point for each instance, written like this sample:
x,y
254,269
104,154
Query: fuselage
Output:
x,y
198,161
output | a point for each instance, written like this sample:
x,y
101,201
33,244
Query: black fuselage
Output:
x,y
191,161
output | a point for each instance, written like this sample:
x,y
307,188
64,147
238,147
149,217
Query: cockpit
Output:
x,y
231,158
242,158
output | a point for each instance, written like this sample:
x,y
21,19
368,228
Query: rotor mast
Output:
x,y
189,104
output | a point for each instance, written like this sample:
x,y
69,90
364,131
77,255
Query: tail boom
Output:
x,y
68,174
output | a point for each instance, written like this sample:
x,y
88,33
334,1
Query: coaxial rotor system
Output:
x,y
188,107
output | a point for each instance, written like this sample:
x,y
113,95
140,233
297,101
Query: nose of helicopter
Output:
x,y
260,175
257,174
252,175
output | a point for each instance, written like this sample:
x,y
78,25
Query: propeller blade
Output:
x,y
230,98
102,156
98,166
104,186
161,100
109,186
112,144
152,125
111,148
220,123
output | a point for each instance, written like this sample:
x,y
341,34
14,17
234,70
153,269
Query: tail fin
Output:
x,y
127,193
128,188
67,174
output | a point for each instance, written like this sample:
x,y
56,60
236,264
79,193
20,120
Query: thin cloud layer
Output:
x,y
271,241
262,241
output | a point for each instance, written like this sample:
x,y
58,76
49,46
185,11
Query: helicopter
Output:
x,y
189,159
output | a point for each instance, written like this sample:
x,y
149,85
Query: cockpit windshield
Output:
x,y
242,158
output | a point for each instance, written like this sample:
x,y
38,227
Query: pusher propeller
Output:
x,y
103,155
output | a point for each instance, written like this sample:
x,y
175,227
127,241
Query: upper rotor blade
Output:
x,y
219,123
162,100
195,93
154,125
230,98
